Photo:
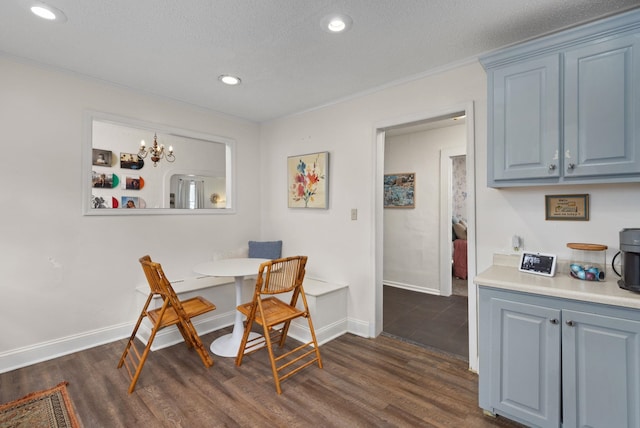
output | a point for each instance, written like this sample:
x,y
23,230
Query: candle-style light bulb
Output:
x,y
142,144
170,149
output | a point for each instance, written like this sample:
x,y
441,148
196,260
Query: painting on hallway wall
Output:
x,y
399,190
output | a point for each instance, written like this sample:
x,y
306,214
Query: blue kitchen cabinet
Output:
x,y
525,114
566,108
600,370
550,362
524,359
602,109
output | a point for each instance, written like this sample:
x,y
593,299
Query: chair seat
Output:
x,y
275,311
193,307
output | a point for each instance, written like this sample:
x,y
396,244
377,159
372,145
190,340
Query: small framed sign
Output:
x,y
538,263
566,207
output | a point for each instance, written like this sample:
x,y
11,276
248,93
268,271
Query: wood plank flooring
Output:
x,y
380,382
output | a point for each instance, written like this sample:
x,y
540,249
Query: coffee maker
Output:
x,y
629,260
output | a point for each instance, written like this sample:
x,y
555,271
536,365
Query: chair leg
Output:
x,y
283,333
143,314
274,367
141,358
315,341
192,339
245,338
184,331
137,361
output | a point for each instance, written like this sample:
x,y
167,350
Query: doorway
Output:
x,y
381,130
420,303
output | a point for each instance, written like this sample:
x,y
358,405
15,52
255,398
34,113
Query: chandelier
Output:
x,y
156,151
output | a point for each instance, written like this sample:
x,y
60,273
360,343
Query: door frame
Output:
x,y
378,215
446,213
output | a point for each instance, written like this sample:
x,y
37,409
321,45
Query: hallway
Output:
x,y
435,322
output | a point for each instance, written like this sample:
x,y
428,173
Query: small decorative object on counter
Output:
x,y
588,261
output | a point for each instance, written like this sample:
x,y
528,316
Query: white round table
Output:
x,y
228,345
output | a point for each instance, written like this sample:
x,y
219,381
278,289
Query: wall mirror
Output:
x,y
196,179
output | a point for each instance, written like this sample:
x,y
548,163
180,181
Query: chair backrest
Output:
x,y
281,275
158,282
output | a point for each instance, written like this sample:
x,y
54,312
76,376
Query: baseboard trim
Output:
x,y
300,331
434,291
29,355
22,357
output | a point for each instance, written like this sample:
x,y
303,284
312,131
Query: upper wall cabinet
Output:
x,y
566,108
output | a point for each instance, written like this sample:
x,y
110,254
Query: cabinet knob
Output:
x,y
554,321
571,166
552,167
570,323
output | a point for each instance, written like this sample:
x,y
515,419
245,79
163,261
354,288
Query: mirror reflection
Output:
x,y
194,191
195,178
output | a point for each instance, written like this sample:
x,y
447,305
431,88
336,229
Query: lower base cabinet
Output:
x,y
551,362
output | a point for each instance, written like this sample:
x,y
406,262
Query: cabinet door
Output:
x,y
602,109
525,362
525,126
600,370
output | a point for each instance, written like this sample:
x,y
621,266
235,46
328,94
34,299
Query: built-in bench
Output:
x,y
327,303
328,307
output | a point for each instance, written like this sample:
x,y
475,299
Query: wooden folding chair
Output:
x,y
172,312
274,315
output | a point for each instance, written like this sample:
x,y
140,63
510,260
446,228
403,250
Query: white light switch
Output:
x,y
354,213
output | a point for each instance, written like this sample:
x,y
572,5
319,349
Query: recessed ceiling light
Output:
x,y
229,80
45,11
336,23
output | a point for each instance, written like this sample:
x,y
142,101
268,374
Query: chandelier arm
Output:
x,y
157,151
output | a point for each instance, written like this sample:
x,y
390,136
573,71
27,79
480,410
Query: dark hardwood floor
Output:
x,y
380,382
436,322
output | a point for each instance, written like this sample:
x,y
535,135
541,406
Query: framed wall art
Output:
x,y
566,207
308,180
101,157
399,190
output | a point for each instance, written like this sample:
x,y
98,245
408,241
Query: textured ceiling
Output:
x,y
177,49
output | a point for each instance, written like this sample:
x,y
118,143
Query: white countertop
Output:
x,y
505,275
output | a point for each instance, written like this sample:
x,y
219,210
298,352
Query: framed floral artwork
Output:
x,y
308,179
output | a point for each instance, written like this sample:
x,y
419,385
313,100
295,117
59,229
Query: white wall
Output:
x,y
411,235
64,274
340,249
343,250
68,275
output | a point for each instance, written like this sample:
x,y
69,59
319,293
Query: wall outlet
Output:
x,y
516,242
354,213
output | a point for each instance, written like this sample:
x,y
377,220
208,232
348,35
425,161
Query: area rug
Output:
x,y
42,409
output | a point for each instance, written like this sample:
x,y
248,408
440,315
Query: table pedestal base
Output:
x,y
228,345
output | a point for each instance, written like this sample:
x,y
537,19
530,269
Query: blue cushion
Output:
x,y
265,249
